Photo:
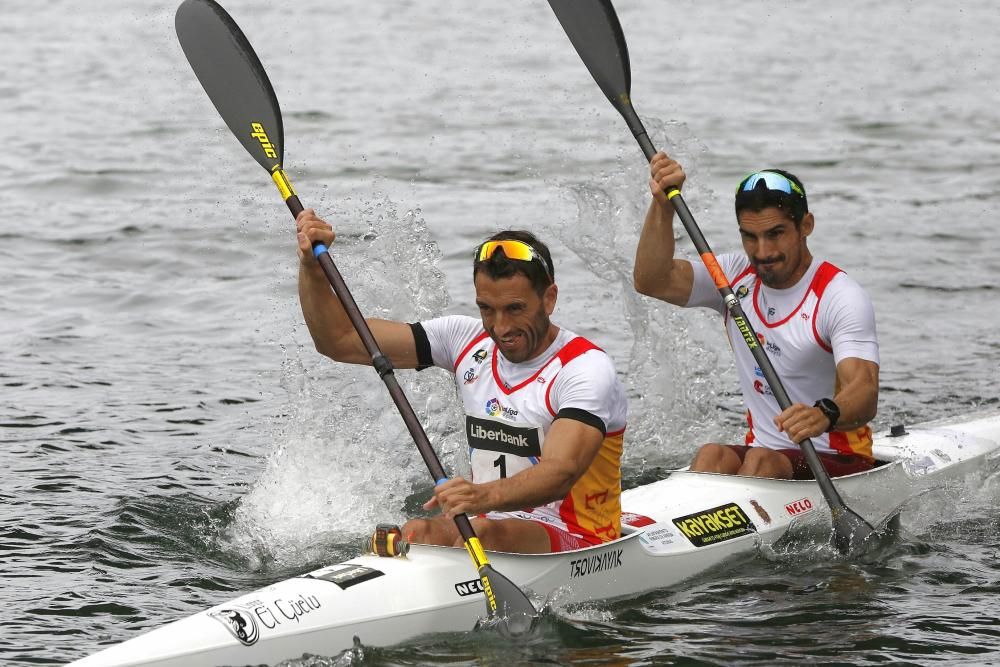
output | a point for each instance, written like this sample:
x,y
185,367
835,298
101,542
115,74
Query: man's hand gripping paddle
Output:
x,y
237,84
593,28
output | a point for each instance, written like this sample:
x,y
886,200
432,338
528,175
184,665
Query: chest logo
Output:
x,y
479,356
495,409
494,436
771,347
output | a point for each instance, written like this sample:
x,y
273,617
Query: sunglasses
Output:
x,y
512,249
773,181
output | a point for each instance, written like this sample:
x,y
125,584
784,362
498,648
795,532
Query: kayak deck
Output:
x,y
673,529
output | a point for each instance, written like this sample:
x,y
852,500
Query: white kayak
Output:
x,y
673,529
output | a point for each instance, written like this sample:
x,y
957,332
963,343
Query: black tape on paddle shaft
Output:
x,y
382,365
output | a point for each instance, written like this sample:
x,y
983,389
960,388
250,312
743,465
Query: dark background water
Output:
x,y
170,438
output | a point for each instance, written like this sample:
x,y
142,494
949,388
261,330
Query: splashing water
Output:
x,y
343,459
680,377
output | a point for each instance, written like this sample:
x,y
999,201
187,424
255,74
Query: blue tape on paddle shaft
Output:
x,y
440,481
318,250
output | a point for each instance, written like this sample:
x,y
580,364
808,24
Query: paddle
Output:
x,y
594,30
237,84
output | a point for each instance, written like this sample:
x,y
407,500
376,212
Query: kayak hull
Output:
x,y
673,529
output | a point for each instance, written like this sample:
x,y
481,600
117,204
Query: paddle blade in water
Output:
x,y
593,28
514,615
851,533
233,77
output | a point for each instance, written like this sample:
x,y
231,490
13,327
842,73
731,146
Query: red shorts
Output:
x,y
835,464
560,540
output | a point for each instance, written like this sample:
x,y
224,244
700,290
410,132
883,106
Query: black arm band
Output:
x,y
424,359
585,417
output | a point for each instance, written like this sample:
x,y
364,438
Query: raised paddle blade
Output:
x,y
233,77
595,32
593,28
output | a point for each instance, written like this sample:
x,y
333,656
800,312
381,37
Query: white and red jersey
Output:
x,y
806,330
510,407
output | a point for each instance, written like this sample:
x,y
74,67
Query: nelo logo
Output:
x,y
800,506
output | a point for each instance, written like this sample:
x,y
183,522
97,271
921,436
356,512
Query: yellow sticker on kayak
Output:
x,y
711,526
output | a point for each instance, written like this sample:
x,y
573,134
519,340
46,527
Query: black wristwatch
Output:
x,y
830,409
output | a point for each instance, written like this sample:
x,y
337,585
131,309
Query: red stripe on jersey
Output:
x,y
468,347
569,351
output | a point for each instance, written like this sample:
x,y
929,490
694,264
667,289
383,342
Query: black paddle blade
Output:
x,y
514,615
851,533
593,28
233,77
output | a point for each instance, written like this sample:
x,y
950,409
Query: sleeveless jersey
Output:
x,y
506,427
802,359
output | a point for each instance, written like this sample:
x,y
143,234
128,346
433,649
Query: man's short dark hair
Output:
x,y
498,266
793,205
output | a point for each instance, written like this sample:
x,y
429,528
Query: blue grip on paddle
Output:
x,y
441,481
318,250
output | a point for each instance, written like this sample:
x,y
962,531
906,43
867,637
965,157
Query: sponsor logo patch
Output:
x,y
769,346
496,409
800,506
240,623
471,587
718,524
761,512
260,134
636,520
609,560
495,436
479,355
346,575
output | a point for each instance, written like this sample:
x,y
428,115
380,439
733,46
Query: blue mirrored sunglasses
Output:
x,y
773,181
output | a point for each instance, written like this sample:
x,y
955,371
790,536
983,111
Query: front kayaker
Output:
x,y
815,323
544,409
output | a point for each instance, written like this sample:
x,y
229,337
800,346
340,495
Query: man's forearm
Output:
x,y
655,252
324,315
546,482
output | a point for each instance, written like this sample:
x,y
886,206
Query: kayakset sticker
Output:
x,y
711,526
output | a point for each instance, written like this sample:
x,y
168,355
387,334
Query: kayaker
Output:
x,y
816,324
545,411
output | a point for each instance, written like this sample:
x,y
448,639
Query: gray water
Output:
x,y
171,439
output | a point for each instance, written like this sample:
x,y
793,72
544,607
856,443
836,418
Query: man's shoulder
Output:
x,y
840,284
454,326
585,362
